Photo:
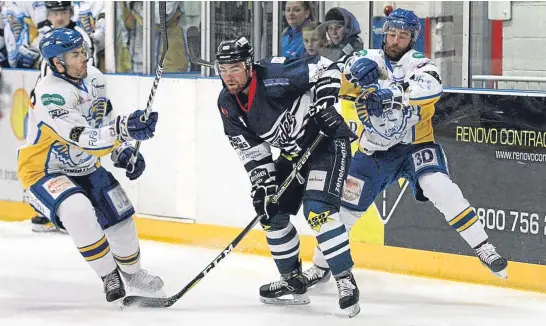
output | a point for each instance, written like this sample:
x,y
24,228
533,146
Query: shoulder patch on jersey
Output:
x,y
418,55
75,133
56,99
362,52
278,59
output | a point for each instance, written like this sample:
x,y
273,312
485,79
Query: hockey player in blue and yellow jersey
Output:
x,y
285,103
70,126
397,139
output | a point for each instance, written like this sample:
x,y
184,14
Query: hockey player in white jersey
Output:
x,y
397,139
59,14
24,21
70,126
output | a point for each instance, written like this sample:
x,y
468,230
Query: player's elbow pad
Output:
x,y
425,88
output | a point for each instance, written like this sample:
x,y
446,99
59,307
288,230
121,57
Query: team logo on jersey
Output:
x,y
97,112
55,99
282,136
69,155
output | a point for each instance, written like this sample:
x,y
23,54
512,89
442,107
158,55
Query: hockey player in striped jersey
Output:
x,y
285,103
397,139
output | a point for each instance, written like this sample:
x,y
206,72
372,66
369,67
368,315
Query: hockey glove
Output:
x,y
374,102
135,127
27,56
365,71
121,157
328,121
261,199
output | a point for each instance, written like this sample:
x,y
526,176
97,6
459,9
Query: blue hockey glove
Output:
x,y
121,157
134,127
365,71
374,102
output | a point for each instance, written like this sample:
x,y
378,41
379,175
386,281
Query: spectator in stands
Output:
x,y
312,39
342,30
297,14
129,36
176,58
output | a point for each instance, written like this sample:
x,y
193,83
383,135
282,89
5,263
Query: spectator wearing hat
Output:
x,y
342,30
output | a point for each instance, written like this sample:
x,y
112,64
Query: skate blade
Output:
x,y
352,310
297,299
502,274
44,229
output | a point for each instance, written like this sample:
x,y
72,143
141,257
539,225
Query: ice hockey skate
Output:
x,y
491,259
143,283
291,289
348,293
316,275
113,286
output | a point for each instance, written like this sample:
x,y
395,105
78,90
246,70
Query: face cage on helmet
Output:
x,y
247,63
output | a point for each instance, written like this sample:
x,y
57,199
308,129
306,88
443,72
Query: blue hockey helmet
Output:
x,y
59,41
405,20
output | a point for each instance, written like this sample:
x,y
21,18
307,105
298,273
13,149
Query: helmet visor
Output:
x,y
401,29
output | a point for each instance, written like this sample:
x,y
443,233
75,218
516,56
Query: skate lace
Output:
x,y
314,273
345,287
113,281
487,253
277,285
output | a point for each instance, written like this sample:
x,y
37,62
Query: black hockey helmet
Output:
x,y
58,5
235,50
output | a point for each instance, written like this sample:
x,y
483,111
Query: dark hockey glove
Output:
x,y
261,199
328,121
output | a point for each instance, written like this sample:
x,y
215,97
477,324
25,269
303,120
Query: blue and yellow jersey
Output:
x,y
23,22
408,123
68,128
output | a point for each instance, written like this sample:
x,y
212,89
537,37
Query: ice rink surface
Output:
x,y
45,281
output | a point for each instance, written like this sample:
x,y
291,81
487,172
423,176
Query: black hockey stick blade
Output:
x,y
193,37
149,302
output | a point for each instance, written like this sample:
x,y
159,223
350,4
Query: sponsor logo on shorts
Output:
x,y
352,190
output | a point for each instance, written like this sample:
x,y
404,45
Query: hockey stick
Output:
x,y
158,72
167,302
193,37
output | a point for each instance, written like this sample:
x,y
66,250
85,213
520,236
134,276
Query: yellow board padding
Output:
x,y
14,211
369,228
365,255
